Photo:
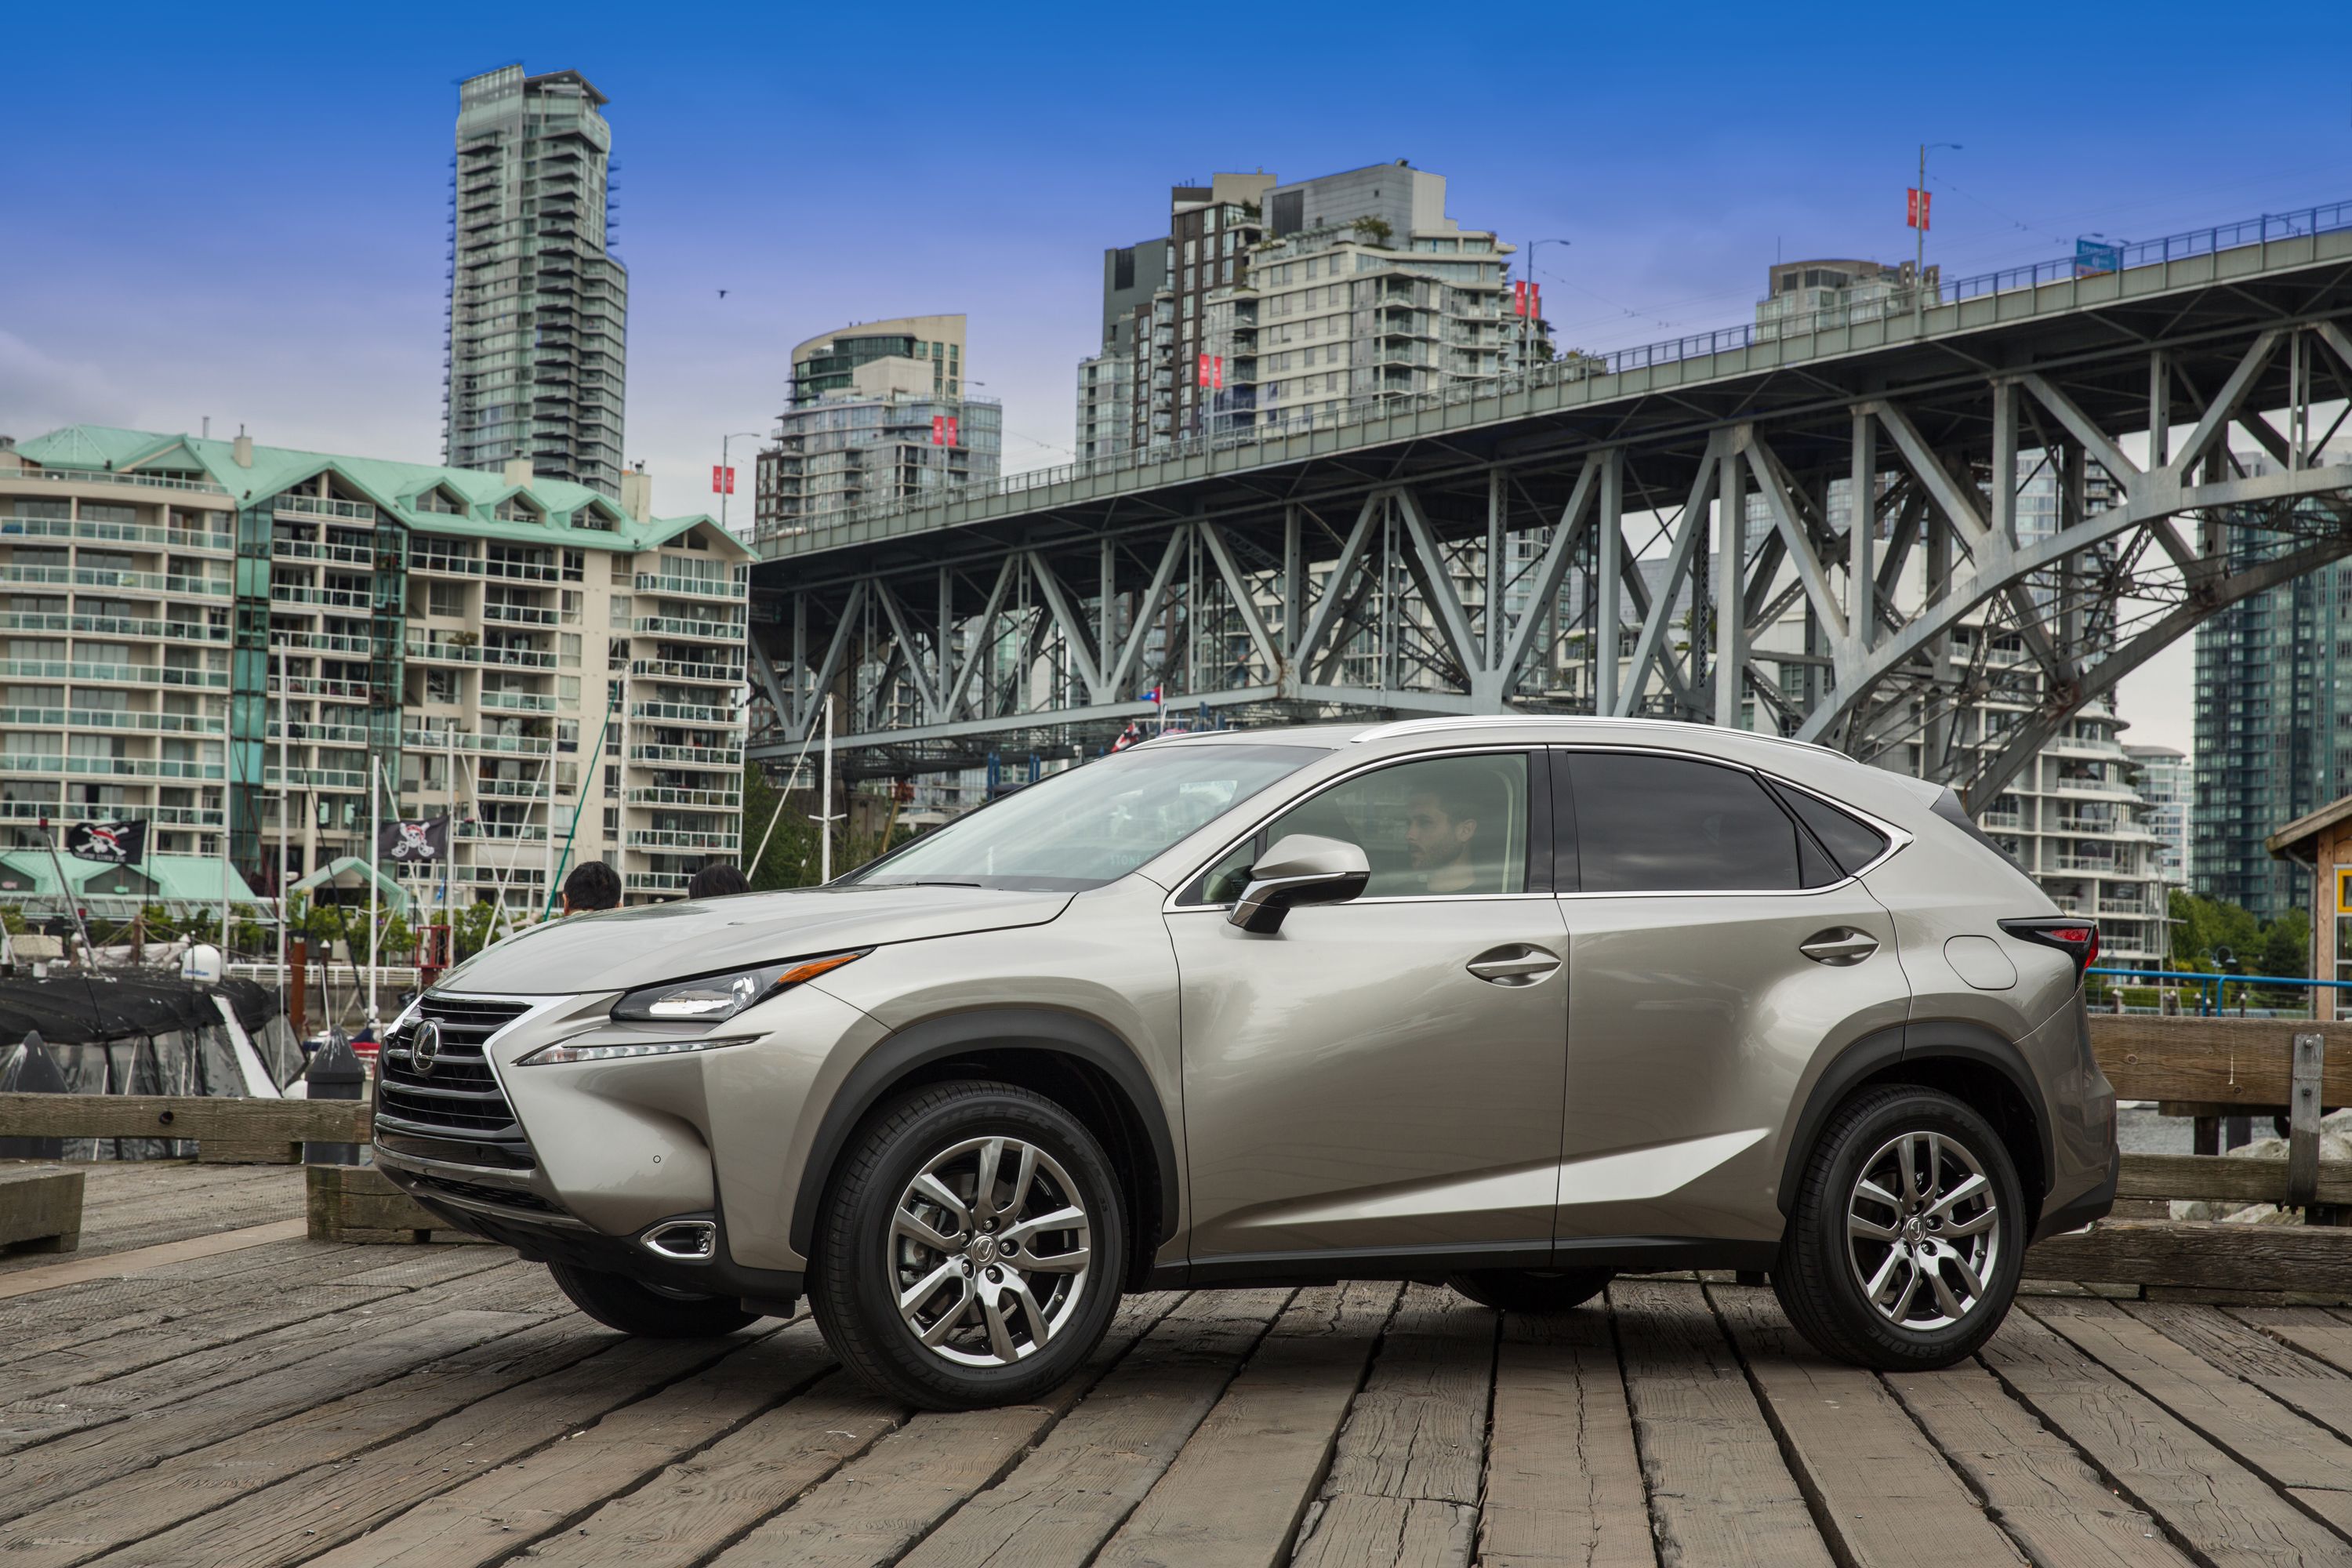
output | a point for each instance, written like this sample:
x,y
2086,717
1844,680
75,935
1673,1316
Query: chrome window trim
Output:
x,y
1898,839
1508,748
1393,898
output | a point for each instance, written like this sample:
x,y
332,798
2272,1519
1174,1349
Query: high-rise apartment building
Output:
x,y
2274,737
1132,274
876,412
536,360
217,635
1287,303
2166,779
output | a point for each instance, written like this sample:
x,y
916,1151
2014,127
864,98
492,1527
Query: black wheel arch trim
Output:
x,y
953,1033
1941,1039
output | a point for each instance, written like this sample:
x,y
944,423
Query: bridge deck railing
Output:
x,y
2122,257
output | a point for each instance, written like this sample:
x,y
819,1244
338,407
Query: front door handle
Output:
x,y
1517,964
1839,945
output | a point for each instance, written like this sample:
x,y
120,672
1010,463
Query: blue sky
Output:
x,y
239,213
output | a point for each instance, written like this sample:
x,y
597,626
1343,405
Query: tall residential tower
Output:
x,y
536,351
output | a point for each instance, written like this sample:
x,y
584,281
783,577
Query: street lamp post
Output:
x,y
1527,325
1919,237
724,473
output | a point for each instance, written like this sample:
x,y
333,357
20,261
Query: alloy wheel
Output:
x,y
1922,1231
989,1251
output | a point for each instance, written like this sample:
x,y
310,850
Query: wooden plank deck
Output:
x,y
296,1402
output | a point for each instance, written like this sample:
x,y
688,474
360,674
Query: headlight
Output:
x,y
711,997
708,999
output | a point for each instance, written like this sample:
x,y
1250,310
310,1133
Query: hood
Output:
x,y
617,949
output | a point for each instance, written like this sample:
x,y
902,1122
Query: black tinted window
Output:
x,y
1852,844
1657,825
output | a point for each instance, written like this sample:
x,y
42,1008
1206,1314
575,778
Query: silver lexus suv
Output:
x,y
1512,1004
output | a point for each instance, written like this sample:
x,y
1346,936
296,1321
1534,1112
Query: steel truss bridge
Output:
x,y
1670,533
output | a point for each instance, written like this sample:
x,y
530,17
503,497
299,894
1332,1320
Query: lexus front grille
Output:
x,y
453,1096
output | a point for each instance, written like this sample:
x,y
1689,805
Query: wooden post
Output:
x,y
298,1007
2303,1132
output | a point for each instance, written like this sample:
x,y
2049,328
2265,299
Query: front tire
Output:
x,y
971,1247
1534,1292
619,1303
1907,1234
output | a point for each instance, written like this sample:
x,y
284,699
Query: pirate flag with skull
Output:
x,y
414,842
116,842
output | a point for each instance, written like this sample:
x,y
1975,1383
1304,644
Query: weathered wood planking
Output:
x,y
2033,1482
1719,1491
1060,1503
869,1513
1235,1494
1408,1471
2242,1062
296,1518
531,1497
1878,1485
2309,1258
1563,1481
2221,1511
2260,1431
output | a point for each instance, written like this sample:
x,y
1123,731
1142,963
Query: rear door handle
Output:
x,y
1839,945
1517,964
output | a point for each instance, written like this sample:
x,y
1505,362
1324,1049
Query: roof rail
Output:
x,y
1487,720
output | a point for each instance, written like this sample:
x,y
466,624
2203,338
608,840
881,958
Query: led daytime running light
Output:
x,y
622,1050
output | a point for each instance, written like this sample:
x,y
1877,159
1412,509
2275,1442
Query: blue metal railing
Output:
x,y
2213,988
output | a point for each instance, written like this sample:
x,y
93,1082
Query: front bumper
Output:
x,y
598,1152
546,1238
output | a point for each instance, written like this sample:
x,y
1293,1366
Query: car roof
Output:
x,y
1815,766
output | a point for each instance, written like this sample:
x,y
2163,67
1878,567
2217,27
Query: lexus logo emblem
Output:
x,y
426,1048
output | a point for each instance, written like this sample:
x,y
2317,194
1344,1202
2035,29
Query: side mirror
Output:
x,y
1299,869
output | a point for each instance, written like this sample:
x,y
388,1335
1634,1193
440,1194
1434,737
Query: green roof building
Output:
x,y
202,632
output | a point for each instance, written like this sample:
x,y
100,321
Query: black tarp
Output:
x,y
144,1033
73,1009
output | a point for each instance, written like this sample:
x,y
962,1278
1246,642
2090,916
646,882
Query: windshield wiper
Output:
x,y
924,882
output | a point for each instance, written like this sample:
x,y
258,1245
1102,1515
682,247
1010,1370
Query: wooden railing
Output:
x,y
265,1132
2208,1068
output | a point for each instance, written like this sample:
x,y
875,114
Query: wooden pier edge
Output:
x,y
40,1209
356,1204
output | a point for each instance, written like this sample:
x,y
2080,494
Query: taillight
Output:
x,y
2077,939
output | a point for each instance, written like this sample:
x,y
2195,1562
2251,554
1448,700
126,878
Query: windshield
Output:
x,y
1092,824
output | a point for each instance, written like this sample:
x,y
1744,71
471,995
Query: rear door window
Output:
x,y
1648,823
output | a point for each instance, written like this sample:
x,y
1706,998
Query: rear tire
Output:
x,y
619,1303
1907,1233
971,1247
1535,1292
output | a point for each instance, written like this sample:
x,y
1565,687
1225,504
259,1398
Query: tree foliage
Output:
x,y
792,859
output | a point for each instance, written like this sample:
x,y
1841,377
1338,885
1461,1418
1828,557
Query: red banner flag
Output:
x,y
1217,372
1535,300
722,480
1519,297
953,440
938,429
1915,207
